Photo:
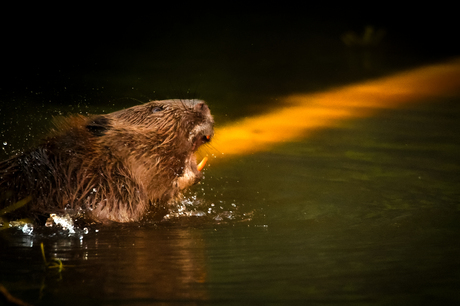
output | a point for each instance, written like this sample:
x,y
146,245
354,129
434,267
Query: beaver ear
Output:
x,y
98,125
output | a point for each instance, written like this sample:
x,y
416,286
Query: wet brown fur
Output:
x,y
115,167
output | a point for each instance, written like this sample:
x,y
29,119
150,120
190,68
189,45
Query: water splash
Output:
x,y
65,222
28,229
186,206
25,226
61,225
219,211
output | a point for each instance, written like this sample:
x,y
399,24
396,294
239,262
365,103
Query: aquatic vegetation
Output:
x,y
54,263
10,299
15,206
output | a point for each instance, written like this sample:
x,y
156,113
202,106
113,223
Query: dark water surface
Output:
x,y
365,213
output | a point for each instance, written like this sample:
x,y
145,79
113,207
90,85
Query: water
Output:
x,y
367,213
363,213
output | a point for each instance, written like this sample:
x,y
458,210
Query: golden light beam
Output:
x,y
303,113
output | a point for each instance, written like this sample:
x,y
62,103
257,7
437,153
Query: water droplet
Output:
x,y
28,228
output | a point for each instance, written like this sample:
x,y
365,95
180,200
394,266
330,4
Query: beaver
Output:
x,y
121,167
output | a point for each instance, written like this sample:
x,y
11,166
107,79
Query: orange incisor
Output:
x,y
202,163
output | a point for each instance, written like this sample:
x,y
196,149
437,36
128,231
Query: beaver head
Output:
x,y
170,130
156,142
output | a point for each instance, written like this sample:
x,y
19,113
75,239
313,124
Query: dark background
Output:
x,y
46,47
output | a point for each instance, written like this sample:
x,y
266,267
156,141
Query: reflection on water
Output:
x,y
126,264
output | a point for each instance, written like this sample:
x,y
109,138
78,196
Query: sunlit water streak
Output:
x,y
300,114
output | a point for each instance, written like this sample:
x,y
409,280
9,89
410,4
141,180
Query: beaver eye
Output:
x,y
157,109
